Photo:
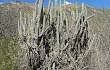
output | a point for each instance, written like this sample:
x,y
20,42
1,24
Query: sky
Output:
x,y
94,3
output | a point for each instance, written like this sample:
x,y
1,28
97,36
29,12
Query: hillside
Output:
x,y
9,15
99,25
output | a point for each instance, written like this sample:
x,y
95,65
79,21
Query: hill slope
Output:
x,y
99,25
9,15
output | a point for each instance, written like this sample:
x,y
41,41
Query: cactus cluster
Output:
x,y
50,37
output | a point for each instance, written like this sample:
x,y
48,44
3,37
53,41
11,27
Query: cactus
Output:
x,y
61,20
64,4
20,26
83,8
38,18
44,19
49,7
73,19
39,31
58,22
77,11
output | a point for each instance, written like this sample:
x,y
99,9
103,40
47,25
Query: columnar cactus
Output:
x,y
76,11
39,31
61,20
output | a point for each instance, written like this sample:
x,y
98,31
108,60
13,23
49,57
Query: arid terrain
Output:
x,y
98,57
